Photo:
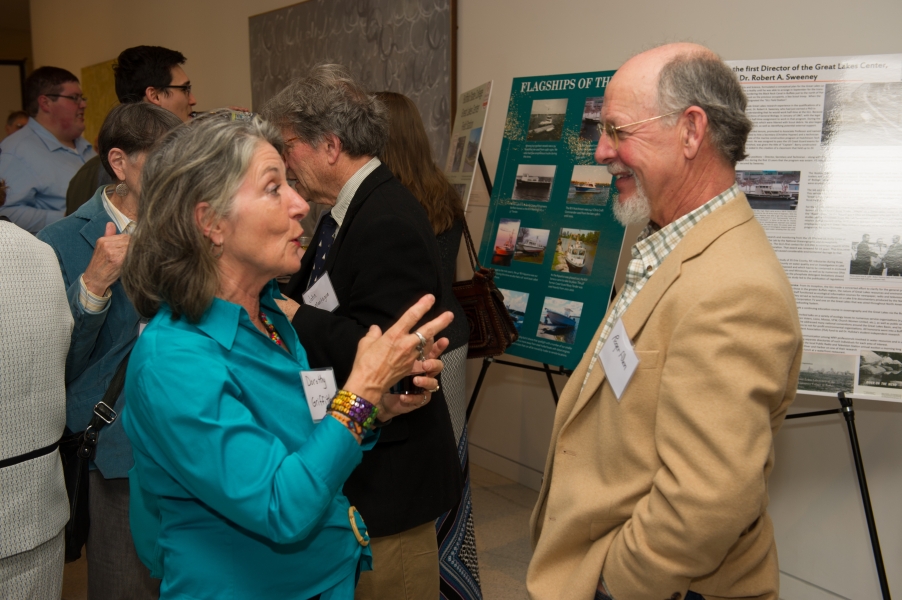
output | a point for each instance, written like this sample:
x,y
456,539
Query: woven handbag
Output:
x,y
492,329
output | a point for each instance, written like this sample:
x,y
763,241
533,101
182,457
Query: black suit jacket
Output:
x,y
384,258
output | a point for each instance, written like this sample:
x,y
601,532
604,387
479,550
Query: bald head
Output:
x,y
678,113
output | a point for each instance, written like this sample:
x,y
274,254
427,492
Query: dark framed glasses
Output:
x,y
185,88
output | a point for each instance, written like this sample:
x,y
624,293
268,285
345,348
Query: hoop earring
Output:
x,y
213,247
122,190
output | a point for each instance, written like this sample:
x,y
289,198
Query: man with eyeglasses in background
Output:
x,y
142,74
38,161
656,478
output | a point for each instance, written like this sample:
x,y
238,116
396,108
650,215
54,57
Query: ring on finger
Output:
x,y
437,388
425,400
421,347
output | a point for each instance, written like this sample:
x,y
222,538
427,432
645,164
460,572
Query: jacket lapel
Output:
x,y
96,217
640,309
372,181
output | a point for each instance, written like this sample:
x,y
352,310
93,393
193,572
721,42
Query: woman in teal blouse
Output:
x,y
236,491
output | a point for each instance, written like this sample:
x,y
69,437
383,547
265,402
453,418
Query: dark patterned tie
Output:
x,y
327,227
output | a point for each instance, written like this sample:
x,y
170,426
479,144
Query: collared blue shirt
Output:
x,y
236,492
37,168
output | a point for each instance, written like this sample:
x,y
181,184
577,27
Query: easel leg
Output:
x,y
548,373
486,362
849,414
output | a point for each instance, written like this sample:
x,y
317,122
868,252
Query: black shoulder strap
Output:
x,y
103,411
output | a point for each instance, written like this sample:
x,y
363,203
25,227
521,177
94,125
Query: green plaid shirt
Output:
x,y
649,251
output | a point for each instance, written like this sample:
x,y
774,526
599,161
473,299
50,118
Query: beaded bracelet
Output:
x,y
347,422
356,408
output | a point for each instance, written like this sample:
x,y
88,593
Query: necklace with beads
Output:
x,y
271,330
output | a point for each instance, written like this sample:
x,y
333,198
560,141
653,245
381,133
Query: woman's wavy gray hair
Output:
x,y
328,101
169,259
702,79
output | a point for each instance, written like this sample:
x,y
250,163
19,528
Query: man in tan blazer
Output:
x,y
662,492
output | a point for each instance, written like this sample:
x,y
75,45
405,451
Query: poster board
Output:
x,y
404,46
823,177
550,233
466,139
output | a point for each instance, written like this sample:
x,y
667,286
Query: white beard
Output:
x,y
631,209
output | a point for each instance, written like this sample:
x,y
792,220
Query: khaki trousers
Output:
x,y
405,567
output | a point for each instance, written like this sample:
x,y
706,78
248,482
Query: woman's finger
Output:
x,y
412,315
436,325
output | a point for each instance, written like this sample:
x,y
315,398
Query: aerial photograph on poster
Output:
x,y
546,120
505,242
534,182
575,251
589,184
589,130
862,114
560,319
515,302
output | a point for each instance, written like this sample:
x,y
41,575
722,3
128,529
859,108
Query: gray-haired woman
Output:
x,y
237,486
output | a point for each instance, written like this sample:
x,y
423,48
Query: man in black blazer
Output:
x,y
381,258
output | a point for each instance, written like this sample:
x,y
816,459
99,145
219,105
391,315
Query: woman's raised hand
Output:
x,y
382,359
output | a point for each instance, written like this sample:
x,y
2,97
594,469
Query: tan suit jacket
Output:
x,y
666,490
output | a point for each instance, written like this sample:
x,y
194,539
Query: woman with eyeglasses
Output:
x,y
238,475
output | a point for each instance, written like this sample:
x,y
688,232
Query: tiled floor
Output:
x,y
501,510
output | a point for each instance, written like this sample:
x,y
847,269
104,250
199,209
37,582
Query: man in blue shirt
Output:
x,y
38,161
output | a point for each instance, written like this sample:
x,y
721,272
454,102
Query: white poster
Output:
x,y
466,139
824,179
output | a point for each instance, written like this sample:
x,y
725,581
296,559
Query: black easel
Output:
x,y
849,413
487,361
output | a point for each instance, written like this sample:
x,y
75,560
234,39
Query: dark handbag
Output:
x,y
492,329
76,450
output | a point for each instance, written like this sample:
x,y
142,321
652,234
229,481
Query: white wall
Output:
x,y
824,549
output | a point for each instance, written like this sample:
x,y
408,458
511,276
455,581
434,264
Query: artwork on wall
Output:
x,y
401,46
99,86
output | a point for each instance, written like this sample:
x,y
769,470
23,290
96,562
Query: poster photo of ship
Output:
x,y
546,120
534,182
880,373
589,184
560,319
505,242
830,373
472,153
575,251
770,190
515,302
531,243
590,127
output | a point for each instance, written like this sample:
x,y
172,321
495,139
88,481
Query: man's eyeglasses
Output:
x,y
185,88
611,131
77,98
